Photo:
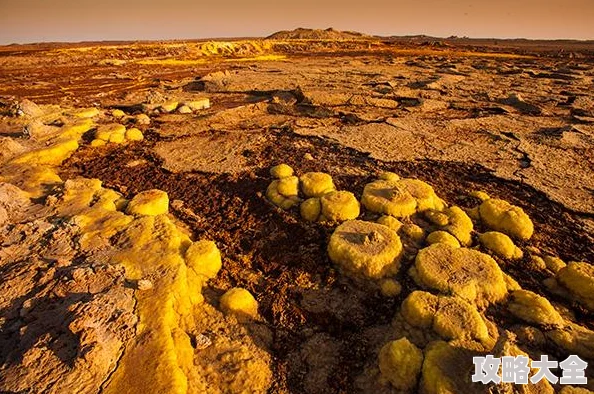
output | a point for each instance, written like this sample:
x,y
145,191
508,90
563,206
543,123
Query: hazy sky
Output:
x,y
80,20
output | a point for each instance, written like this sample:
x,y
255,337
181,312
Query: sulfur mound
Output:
x,y
390,287
443,238
282,201
149,203
554,264
389,176
365,249
339,206
389,198
281,171
114,132
470,274
500,244
169,106
450,317
436,217
578,278
310,209
198,104
288,186
391,222
400,363
501,216
575,339
204,258
459,225
423,194
240,303
316,184
481,195
533,309
134,134
447,369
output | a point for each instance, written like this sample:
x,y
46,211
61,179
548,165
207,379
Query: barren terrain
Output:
x,y
99,291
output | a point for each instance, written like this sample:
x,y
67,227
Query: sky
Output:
x,y
25,21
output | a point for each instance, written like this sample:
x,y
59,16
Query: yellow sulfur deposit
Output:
x,y
117,137
76,130
419,308
281,171
84,112
413,232
389,176
198,104
288,186
578,279
310,209
51,156
423,194
339,206
501,245
284,202
450,317
316,184
533,309
458,319
460,225
554,264
443,238
438,218
160,358
400,363
36,180
575,339
365,249
391,222
501,216
96,143
470,274
204,258
575,390
169,106
481,195
105,132
239,302
389,198
134,134
390,287
150,203
447,369
118,113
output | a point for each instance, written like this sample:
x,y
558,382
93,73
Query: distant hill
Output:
x,y
316,34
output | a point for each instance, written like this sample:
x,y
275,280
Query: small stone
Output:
x,y
202,342
184,109
144,284
143,119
